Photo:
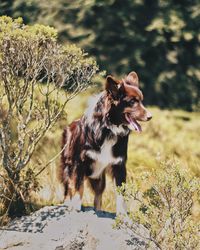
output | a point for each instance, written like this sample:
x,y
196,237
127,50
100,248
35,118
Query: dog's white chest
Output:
x,y
103,159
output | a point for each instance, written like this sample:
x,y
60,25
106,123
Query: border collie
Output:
x,y
99,140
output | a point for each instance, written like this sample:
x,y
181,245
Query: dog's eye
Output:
x,y
132,101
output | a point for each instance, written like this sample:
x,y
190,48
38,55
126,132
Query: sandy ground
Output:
x,y
57,228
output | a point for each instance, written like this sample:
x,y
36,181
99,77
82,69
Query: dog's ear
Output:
x,y
112,86
132,79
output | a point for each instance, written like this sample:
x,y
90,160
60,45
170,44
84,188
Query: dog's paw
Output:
x,y
121,208
74,204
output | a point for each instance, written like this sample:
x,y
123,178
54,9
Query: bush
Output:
x,y
30,55
164,208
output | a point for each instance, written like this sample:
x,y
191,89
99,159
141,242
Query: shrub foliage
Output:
x,y
34,70
164,208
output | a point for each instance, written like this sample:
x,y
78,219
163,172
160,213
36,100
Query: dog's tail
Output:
x,y
72,141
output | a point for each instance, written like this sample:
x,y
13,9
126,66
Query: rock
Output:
x,y
57,228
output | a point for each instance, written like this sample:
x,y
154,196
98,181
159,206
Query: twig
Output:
x,y
53,159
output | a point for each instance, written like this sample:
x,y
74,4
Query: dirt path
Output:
x,y
57,228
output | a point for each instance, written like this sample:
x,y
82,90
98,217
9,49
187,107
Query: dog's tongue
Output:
x,y
134,125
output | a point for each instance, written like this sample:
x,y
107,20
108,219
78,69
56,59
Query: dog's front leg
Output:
x,y
119,175
98,186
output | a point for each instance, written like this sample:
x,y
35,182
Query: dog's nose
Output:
x,y
149,118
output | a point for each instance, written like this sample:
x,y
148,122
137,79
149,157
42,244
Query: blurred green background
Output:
x,y
158,39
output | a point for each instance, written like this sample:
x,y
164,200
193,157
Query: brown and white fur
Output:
x,y
99,140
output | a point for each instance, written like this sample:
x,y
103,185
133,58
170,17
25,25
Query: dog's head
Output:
x,y
125,100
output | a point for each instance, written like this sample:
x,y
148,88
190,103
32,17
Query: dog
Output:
x,y
99,139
